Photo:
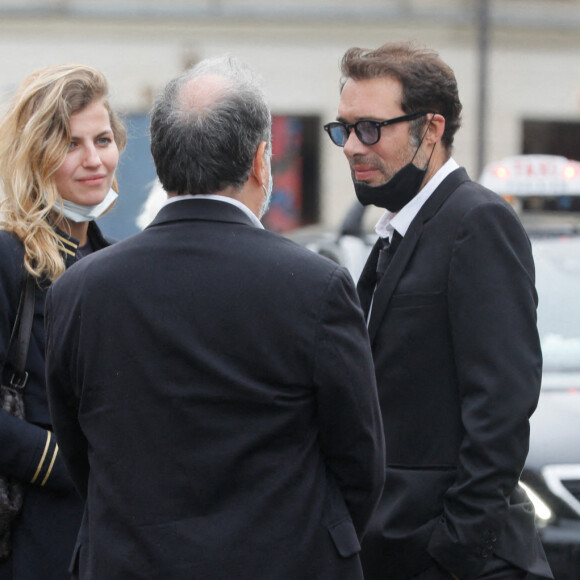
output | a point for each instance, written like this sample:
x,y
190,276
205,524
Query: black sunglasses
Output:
x,y
367,130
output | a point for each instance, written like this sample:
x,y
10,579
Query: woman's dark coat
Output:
x,y
45,532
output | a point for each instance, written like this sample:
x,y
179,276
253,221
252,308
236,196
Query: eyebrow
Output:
x,y
357,119
343,120
101,134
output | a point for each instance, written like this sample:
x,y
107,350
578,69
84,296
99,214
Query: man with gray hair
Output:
x,y
211,382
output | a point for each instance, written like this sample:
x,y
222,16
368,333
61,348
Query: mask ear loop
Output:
x,y
421,143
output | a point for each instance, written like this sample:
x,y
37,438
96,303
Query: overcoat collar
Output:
x,y
200,209
70,245
384,291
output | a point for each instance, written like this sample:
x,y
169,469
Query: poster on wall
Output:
x,y
285,211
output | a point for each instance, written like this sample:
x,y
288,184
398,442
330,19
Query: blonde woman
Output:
x,y
59,148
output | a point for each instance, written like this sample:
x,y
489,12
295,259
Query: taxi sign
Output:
x,y
533,175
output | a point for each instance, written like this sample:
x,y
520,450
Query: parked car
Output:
x,y
551,476
552,471
532,183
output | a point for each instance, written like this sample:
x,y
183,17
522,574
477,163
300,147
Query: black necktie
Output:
x,y
386,253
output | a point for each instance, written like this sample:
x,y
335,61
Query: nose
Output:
x,y
91,156
353,145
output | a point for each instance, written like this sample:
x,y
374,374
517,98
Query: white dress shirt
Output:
x,y
224,198
401,220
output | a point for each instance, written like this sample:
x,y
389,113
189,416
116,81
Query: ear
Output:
x,y
259,165
436,128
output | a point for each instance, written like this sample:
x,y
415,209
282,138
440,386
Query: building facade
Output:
x,y
517,64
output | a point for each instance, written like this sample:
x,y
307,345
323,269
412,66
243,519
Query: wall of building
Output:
x,y
534,57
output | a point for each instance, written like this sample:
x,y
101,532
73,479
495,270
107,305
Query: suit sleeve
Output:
x,y
62,390
492,306
31,454
351,433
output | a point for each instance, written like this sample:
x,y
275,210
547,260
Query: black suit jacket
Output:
x,y
458,364
213,394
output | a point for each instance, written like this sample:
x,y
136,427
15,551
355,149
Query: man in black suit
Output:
x,y
211,383
451,309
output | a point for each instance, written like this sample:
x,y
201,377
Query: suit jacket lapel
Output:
x,y
388,283
385,289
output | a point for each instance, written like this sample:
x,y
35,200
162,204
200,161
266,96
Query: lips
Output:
x,y
92,180
363,172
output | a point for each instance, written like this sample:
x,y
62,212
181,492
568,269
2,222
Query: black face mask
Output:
x,y
397,192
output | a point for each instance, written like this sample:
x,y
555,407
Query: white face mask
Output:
x,y
267,192
87,213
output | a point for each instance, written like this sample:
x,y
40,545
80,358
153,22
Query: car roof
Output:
x,y
532,175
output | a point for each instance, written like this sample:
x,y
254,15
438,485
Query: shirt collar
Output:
x,y
401,220
255,221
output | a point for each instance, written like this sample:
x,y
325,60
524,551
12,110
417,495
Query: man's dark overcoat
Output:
x,y
213,394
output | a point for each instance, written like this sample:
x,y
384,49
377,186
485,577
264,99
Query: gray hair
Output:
x,y
202,145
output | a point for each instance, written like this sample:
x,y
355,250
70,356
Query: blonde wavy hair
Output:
x,y
34,140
